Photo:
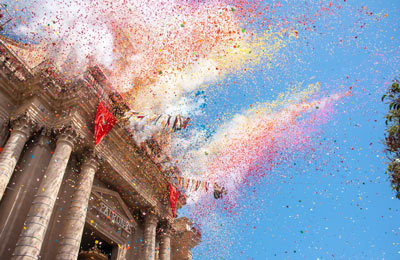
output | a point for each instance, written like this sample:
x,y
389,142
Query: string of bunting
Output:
x,y
105,120
112,108
193,185
168,122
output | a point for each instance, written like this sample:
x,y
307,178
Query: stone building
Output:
x,y
62,197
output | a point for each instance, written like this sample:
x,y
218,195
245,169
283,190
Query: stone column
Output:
x,y
21,190
165,243
35,226
150,225
75,221
22,129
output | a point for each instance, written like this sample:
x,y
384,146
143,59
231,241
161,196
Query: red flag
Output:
x,y
173,198
103,123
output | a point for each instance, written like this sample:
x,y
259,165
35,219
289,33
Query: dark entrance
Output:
x,y
95,247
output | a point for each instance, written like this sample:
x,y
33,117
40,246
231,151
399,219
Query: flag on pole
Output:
x,y
103,122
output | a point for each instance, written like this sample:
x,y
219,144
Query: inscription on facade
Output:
x,y
115,217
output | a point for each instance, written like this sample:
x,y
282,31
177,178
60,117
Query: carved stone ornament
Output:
x,y
150,216
67,134
23,124
91,159
165,228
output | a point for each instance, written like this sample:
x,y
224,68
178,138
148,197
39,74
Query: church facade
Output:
x,y
61,196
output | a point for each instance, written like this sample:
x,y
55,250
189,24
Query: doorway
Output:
x,y
94,246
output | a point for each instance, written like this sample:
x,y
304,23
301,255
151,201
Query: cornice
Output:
x,y
16,68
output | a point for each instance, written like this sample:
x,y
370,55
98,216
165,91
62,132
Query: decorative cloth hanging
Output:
x,y
173,198
167,122
103,122
193,185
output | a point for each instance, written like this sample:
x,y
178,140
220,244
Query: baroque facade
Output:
x,y
62,197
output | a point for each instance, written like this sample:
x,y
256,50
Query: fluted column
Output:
x,y
75,221
22,128
165,243
31,239
150,225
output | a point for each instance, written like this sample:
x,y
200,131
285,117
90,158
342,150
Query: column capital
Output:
x,y
165,229
90,159
67,134
23,124
150,217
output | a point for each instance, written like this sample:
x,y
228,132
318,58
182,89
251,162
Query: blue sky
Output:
x,y
345,209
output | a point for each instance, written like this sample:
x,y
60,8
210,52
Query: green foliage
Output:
x,y
393,134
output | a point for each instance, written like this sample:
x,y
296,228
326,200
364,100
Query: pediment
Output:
x,y
110,204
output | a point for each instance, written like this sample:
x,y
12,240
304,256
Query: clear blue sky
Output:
x,y
345,209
